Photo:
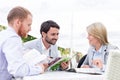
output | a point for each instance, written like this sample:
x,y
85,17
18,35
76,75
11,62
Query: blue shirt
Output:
x,y
11,60
102,54
97,55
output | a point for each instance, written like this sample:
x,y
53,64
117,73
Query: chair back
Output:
x,y
113,66
81,61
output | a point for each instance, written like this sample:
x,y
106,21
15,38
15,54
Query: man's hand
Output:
x,y
64,65
44,67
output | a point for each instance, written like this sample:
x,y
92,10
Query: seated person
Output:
x,y
12,64
47,43
98,52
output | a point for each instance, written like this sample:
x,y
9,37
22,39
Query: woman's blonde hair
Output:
x,y
99,31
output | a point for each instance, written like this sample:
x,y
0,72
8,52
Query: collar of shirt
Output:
x,y
99,51
12,30
44,50
98,54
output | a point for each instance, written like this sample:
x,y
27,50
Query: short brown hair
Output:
x,y
18,12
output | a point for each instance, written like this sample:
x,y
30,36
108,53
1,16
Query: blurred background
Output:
x,y
73,16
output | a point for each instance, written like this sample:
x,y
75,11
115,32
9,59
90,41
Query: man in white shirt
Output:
x,y
47,43
12,63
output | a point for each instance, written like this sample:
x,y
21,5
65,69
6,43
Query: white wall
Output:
x,y
73,16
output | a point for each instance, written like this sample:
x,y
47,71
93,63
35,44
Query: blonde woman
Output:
x,y
99,47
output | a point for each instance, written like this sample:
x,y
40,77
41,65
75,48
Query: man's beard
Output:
x,y
50,41
22,33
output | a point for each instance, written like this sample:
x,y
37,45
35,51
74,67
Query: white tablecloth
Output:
x,y
62,75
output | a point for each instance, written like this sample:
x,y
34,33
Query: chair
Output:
x,y
113,66
81,61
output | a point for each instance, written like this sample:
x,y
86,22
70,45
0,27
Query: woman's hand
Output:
x,y
98,63
85,66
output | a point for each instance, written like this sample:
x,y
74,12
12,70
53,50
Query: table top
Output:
x,y
63,75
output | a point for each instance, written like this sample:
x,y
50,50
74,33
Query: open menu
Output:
x,y
55,63
33,57
96,71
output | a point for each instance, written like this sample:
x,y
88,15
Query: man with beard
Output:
x,y
12,63
47,43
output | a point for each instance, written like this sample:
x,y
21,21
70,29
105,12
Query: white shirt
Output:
x,y
44,50
11,61
38,45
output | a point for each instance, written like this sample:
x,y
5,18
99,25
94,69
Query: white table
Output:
x,y
62,75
